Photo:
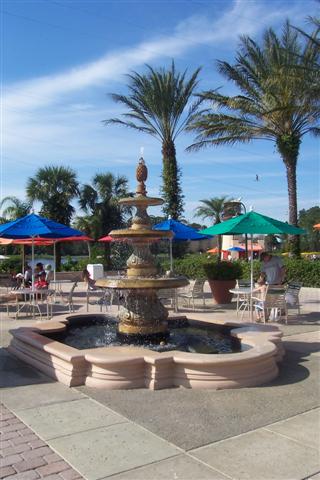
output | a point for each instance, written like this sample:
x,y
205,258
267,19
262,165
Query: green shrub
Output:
x,y
246,269
190,266
302,270
223,270
12,264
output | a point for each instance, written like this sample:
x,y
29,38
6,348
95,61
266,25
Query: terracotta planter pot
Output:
x,y
220,290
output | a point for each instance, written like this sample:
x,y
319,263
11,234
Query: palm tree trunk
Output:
x,y
288,147
294,240
171,189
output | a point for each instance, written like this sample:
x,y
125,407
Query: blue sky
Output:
x,y
61,58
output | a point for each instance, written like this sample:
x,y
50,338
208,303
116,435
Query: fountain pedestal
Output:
x,y
143,313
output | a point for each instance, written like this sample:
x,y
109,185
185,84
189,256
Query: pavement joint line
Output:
x,y
253,430
138,425
290,438
310,476
83,431
138,467
209,466
45,405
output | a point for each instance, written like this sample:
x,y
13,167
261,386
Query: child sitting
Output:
x,y
260,290
41,282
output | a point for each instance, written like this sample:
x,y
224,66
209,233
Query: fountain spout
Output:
x,y
143,313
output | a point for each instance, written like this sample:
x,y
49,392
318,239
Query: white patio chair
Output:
x,y
169,295
195,291
67,297
292,295
274,306
98,296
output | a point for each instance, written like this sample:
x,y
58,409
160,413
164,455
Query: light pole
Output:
x,y
233,208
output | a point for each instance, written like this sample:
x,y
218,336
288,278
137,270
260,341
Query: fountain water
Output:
x,y
143,313
94,350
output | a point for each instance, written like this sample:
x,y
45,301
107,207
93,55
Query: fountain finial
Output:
x,y
141,175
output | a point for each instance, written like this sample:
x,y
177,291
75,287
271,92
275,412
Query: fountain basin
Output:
x,y
136,283
133,367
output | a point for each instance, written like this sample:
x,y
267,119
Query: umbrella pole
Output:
x,y
23,258
32,257
171,256
251,279
54,262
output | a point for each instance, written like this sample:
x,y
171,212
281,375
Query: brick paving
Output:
x,y
23,456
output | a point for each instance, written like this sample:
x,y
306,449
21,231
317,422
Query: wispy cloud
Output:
x,y
191,33
46,119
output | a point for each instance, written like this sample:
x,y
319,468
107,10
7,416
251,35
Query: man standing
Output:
x,y
273,268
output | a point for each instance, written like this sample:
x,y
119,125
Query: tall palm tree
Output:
x,y
100,201
55,188
212,208
158,104
16,208
279,101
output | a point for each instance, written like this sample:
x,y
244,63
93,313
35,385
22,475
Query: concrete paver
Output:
x,y
59,419
32,396
21,458
304,428
77,428
109,450
181,467
262,455
307,343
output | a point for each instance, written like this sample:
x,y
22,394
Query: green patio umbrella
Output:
x,y
252,223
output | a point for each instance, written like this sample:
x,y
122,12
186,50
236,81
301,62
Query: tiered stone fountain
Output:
x,y
189,357
143,313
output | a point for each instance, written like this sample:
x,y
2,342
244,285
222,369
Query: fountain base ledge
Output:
x,y
128,367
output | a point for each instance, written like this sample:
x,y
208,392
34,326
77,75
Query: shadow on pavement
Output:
x,y
15,373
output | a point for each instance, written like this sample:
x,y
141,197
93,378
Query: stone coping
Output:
x,y
136,367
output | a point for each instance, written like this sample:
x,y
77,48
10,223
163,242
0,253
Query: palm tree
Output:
x,y
279,101
212,208
16,208
158,104
55,188
100,202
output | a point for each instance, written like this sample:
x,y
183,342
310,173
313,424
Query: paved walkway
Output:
x,y
263,433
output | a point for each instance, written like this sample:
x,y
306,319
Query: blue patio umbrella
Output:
x,y
236,249
33,226
181,232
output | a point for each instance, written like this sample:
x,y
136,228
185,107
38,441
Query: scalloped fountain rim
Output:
x,y
128,367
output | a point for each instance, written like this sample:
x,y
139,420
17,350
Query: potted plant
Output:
x,y
222,277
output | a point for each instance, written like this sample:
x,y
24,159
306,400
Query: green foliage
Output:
x,y
246,269
158,103
55,187
278,85
190,266
223,270
12,264
303,270
308,218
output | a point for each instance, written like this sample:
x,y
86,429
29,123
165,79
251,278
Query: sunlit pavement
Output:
x,y
267,432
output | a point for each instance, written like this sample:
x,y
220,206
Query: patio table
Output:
x,y
246,304
32,299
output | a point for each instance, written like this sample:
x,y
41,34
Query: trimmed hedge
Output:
x,y
301,270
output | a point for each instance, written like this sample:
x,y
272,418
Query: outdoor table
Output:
x,y
31,300
56,284
246,293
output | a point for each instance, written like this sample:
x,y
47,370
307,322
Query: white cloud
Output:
x,y
57,118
